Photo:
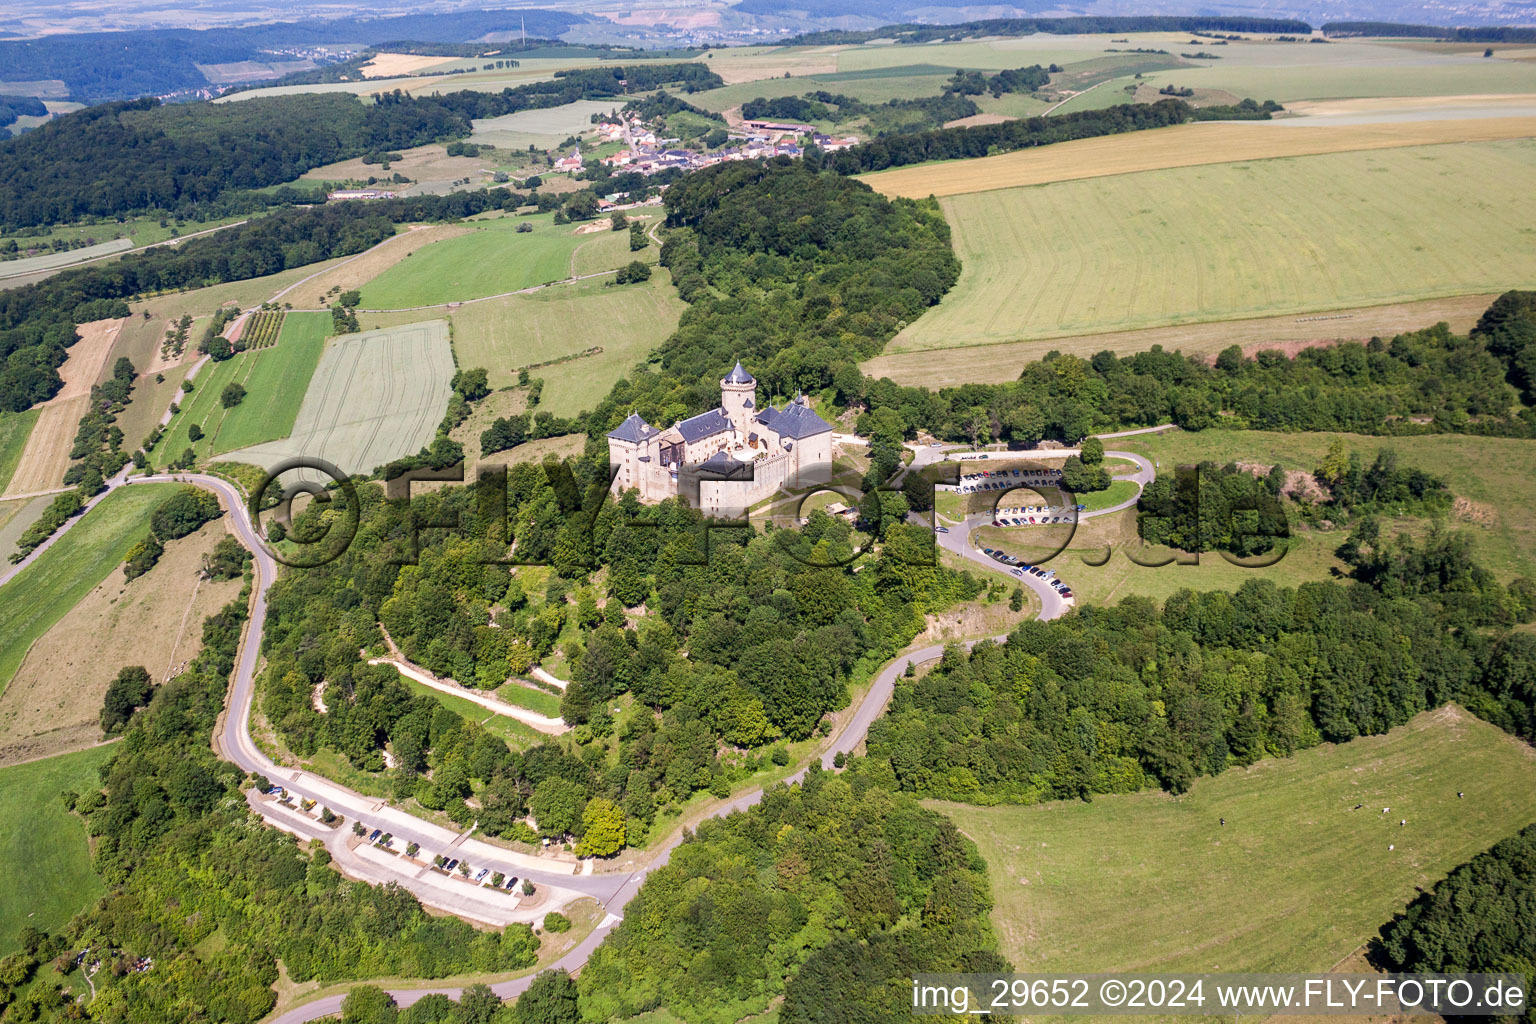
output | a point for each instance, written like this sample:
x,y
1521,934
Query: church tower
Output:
x,y
737,398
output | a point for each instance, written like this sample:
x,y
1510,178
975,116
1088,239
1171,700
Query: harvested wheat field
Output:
x,y
318,294
46,456
51,705
388,65
1187,145
87,357
976,364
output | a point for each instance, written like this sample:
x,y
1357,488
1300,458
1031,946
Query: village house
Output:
x,y
727,459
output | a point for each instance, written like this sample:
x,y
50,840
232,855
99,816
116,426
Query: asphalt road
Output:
x,y
958,537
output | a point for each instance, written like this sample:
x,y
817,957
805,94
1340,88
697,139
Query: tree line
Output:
x,y
917,34
1421,382
1484,34
1116,699
1477,919
1022,133
37,322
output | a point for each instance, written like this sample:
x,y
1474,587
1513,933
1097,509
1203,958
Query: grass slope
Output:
x,y
275,383
44,846
14,430
1149,882
1228,240
40,594
492,259
275,380
517,735
627,322
1498,475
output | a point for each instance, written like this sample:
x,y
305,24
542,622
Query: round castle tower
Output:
x,y
738,390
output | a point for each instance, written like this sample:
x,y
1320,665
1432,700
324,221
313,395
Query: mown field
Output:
x,y
1230,240
1187,145
1094,560
14,429
44,846
544,128
37,597
626,321
1295,881
517,735
492,259
44,454
374,396
275,381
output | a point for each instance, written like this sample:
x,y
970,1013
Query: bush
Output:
x,y
194,433
130,691
184,512
634,273
142,557
556,922
232,395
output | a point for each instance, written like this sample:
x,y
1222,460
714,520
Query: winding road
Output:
x,y
557,880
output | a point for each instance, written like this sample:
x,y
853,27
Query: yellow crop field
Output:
x,y
1236,240
1188,145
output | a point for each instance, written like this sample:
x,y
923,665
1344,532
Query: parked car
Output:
x,y
511,882
1018,572
374,836
941,529
451,864
480,875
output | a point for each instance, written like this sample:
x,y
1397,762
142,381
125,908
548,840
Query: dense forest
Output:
x,y
1210,507
1112,700
1478,919
772,645
837,885
124,157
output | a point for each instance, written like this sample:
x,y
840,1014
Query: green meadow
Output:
x,y
44,845
493,259
1297,878
38,596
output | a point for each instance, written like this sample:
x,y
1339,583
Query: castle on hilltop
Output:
x,y
727,459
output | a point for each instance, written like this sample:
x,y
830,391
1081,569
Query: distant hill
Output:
x,y
101,66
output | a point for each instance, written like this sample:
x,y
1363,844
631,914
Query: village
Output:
x,y
646,153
